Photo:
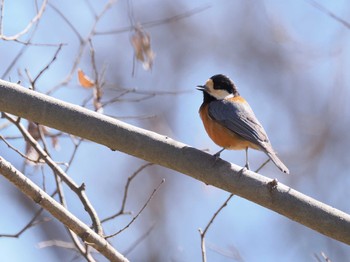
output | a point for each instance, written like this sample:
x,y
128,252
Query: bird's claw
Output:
x,y
272,184
217,155
241,172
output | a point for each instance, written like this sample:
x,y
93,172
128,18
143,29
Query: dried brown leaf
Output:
x,y
33,130
141,41
84,80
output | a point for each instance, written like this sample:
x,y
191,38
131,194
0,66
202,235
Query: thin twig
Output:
x,y
130,8
137,215
126,190
41,133
203,233
76,32
31,223
138,117
107,6
324,256
329,13
48,65
262,165
83,249
35,19
154,23
22,51
75,150
91,8
71,72
145,95
97,89
19,152
83,41
2,3
232,252
93,63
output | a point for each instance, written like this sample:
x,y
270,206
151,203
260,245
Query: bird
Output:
x,y
230,121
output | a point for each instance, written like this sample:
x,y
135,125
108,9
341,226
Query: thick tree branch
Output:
x,y
58,211
164,151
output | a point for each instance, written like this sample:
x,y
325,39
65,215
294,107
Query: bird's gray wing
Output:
x,y
240,119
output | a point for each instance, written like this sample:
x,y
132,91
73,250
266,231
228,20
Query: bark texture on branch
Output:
x,y
167,152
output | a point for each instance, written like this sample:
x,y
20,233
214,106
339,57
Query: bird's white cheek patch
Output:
x,y
217,93
220,94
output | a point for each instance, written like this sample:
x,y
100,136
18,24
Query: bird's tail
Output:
x,y
272,155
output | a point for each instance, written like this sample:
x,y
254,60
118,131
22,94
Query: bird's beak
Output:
x,y
201,88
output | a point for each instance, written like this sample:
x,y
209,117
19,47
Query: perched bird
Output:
x,y
230,122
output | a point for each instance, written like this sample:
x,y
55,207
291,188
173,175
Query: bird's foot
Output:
x,y
217,155
241,172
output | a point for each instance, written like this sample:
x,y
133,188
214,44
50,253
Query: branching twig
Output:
x,y
137,215
47,66
203,233
19,152
26,186
82,41
126,190
79,190
21,51
35,19
84,250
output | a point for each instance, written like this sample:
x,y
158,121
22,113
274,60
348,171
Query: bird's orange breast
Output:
x,y
221,135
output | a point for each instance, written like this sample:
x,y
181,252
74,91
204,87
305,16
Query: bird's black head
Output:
x,y
224,83
218,87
